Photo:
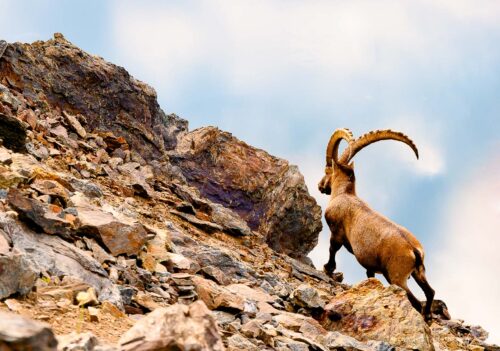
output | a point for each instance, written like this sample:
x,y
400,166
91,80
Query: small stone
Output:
x,y
307,296
87,298
179,263
93,314
5,156
75,124
145,300
13,305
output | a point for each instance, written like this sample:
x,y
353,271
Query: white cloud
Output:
x,y
466,272
253,46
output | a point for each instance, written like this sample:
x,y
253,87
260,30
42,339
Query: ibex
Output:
x,y
378,244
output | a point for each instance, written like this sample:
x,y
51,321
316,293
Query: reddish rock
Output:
x,y
120,237
216,296
51,218
267,192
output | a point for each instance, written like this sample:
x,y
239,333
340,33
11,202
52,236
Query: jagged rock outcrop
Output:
x,y
117,245
102,95
370,311
267,192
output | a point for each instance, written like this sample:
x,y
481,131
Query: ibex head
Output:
x,y
339,173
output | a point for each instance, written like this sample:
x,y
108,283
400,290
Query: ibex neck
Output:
x,y
345,188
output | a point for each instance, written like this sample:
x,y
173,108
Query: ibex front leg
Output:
x,y
331,265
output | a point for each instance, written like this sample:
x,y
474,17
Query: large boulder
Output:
x,y
20,333
177,327
266,191
370,311
57,73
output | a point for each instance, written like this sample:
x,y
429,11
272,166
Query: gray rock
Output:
x,y
82,342
21,333
56,257
16,274
306,296
206,226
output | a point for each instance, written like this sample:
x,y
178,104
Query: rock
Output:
x,y
56,257
178,263
119,236
110,309
230,221
216,296
306,269
52,188
216,274
370,311
10,179
146,300
75,124
3,46
52,219
177,327
254,294
299,323
307,296
67,291
206,226
108,97
338,341
237,342
268,193
5,156
21,333
211,256
16,274
82,342
286,344
87,298
98,252
12,133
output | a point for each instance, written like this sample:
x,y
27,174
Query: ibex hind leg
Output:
x,y
419,276
400,280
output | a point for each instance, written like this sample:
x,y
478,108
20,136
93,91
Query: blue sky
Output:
x,y
282,75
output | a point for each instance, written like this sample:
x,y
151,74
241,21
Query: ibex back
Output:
x,y
379,245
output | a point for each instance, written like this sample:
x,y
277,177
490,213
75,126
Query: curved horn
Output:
x,y
333,145
372,137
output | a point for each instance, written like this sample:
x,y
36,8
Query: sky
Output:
x,y
283,75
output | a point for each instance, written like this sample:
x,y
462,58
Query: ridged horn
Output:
x,y
333,145
372,137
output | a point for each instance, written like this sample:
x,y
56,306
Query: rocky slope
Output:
x,y
122,230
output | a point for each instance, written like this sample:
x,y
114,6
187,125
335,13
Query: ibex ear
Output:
x,y
351,164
